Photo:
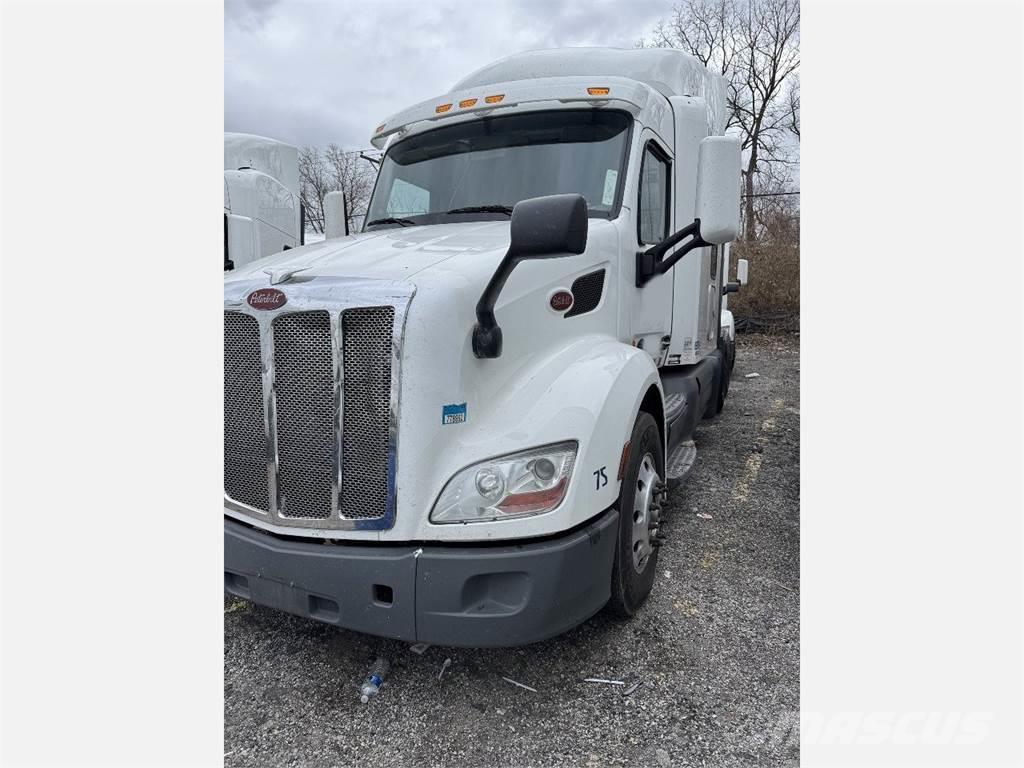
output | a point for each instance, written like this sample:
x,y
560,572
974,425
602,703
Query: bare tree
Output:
x,y
313,179
331,170
755,44
794,106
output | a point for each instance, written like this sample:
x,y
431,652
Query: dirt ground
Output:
x,y
716,647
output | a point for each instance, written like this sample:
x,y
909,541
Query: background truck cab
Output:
x,y
457,426
262,212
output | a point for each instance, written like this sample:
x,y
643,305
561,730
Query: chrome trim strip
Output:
x,y
269,410
338,351
335,295
397,336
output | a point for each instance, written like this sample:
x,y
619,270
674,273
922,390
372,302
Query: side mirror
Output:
x,y
718,189
742,270
718,209
541,228
335,215
742,266
544,227
228,263
241,241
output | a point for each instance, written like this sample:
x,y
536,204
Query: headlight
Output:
x,y
517,485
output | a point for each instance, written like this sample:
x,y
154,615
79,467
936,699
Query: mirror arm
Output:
x,y
228,263
732,287
487,332
653,262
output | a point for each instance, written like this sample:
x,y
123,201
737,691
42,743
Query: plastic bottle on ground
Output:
x,y
371,686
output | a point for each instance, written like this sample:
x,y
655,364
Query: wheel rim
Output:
x,y
646,512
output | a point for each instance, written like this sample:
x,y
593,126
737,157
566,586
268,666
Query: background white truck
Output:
x,y
457,425
262,208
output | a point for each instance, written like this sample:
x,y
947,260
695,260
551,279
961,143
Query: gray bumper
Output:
x,y
469,595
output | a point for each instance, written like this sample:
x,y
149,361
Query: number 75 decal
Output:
x,y
600,478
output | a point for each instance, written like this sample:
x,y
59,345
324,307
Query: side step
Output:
x,y
689,390
674,404
680,462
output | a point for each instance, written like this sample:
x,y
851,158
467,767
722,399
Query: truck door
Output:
x,y
651,316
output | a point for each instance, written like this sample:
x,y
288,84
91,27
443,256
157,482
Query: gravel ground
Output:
x,y
716,646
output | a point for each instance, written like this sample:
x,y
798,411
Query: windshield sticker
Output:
x,y
610,179
453,414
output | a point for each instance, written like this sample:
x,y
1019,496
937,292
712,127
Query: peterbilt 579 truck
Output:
x,y
458,426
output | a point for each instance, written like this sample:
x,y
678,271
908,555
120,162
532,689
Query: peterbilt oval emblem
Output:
x,y
267,298
561,301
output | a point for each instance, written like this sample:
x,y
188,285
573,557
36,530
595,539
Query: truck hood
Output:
x,y
389,254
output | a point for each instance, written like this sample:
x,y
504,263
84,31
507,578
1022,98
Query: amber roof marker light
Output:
x,y
598,91
467,103
442,108
494,99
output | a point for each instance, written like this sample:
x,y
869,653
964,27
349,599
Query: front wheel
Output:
x,y
640,499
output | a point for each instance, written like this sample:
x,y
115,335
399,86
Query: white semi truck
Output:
x,y
458,425
262,209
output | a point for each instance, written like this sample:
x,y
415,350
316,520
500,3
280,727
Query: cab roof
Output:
x,y
668,71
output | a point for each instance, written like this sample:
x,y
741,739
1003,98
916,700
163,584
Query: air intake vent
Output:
x,y
586,291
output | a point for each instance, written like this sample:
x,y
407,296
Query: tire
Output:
x,y
712,409
631,584
723,384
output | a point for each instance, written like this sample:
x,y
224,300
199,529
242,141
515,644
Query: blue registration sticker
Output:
x,y
453,414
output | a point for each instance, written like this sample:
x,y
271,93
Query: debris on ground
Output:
x,y
602,680
447,663
632,689
752,376
520,685
704,516
419,648
374,680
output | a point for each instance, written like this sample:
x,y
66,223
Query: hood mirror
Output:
x,y
546,227
541,228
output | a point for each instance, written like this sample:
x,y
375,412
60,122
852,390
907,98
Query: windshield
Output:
x,y
495,162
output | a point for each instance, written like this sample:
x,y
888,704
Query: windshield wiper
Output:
x,y
483,209
391,220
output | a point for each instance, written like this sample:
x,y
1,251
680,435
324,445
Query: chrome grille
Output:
x,y
366,402
304,407
311,404
245,438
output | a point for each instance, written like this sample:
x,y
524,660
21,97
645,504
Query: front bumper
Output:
x,y
476,595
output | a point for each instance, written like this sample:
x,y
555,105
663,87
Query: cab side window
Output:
x,y
653,206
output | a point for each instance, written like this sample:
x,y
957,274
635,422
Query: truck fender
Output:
x,y
590,391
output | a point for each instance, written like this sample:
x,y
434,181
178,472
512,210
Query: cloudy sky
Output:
x,y
309,72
